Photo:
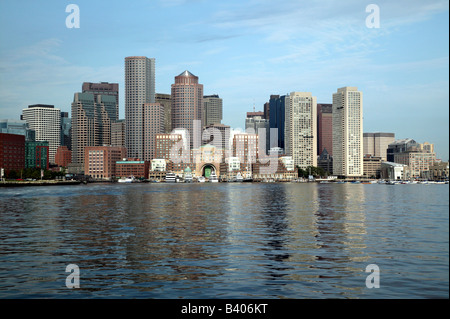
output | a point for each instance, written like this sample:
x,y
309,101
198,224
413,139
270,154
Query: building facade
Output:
x,y
139,89
153,124
166,101
348,132
132,167
277,106
19,127
377,144
187,106
103,88
301,129
45,120
12,152
118,133
92,119
100,161
325,128
212,110
63,156
256,123
372,166
37,154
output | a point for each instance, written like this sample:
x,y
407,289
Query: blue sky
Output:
x,y
242,50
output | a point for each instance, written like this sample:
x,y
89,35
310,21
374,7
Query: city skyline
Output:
x,y
242,51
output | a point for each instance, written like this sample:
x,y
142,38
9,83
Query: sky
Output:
x,y
243,50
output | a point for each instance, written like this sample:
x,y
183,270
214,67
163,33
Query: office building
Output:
x,y
19,127
45,120
92,118
376,144
256,123
37,154
66,130
325,128
372,166
187,105
212,110
166,101
103,88
153,125
277,107
118,133
399,146
100,161
217,135
245,147
63,156
418,158
12,152
139,89
132,167
301,129
348,132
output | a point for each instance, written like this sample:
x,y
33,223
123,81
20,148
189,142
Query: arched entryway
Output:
x,y
208,169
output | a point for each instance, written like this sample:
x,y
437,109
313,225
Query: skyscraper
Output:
x,y
153,125
91,122
300,129
277,106
376,144
256,121
348,132
166,101
103,88
187,105
325,128
45,120
212,110
139,89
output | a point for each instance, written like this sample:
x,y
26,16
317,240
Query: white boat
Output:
x,y
213,178
171,178
130,179
188,178
201,179
239,178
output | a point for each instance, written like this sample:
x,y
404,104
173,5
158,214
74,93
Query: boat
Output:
x,y
171,178
213,178
188,175
130,179
248,178
201,179
239,178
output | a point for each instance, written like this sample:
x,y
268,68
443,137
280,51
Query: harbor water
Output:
x,y
225,240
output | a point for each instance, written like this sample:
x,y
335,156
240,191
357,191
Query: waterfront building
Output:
x,y
132,167
212,110
285,170
103,88
66,130
158,169
438,171
377,144
174,148
63,156
207,159
37,154
348,132
153,124
166,101
325,128
256,123
277,105
139,89
45,120
418,159
399,146
12,152
100,161
394,171
300,129
19,127
372,166
118,133
187,105
92,118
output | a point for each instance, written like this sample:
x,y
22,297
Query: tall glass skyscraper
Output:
x,y
139,89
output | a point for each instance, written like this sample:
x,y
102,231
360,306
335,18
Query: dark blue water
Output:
x,y
225,240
